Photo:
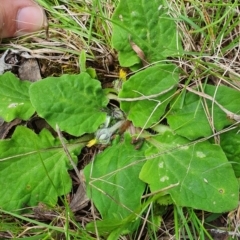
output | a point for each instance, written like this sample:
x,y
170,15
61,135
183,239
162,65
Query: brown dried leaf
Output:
x,y
139,52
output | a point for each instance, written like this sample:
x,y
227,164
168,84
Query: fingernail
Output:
x,y
30,19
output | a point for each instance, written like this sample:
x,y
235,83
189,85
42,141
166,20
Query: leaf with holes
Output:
x,y
199,170
149,85
75,102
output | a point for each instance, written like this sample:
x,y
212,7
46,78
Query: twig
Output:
x,y
229,114
146,97
161,190
221,232
67,152
144,222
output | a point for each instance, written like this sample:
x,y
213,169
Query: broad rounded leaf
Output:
x,y
74,102
147,84
146,24
189,119
34,169
14,98
204,176
112,180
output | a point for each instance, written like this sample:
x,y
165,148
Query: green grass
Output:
x,y
73,27
210,36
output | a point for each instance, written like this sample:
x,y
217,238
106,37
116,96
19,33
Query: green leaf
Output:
x,y
74,102
33,169
190,120
230,142
148,25
151,81
112,180
113,229
199,169
14,98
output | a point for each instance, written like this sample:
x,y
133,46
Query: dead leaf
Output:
x,y
80,199
29,70
139,52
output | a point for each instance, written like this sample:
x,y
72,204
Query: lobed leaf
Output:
x,y
147,25
33,169
200,170
151,81
74,102
14,98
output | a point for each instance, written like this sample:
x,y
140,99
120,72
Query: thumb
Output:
x,y
18,17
